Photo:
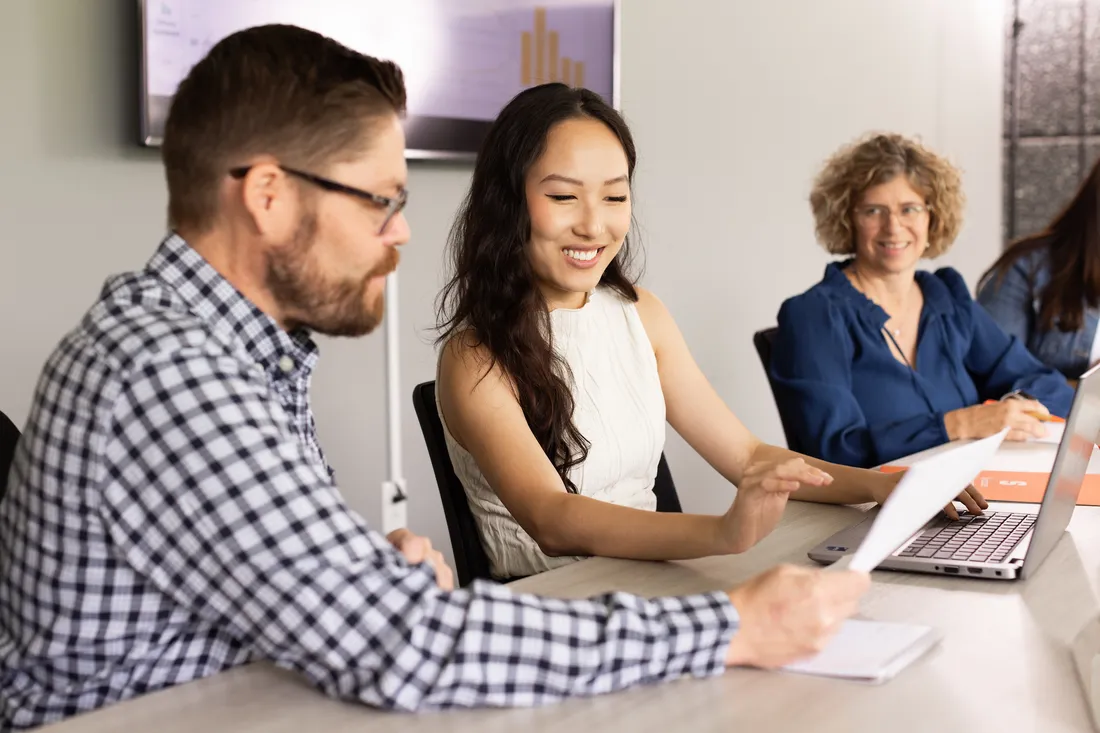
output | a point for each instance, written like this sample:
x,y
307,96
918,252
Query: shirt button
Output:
x,y
286,364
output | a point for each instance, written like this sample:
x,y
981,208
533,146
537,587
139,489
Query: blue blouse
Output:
x,y
1014,301
848,400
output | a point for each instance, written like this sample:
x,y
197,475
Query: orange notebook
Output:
x,y
1023,486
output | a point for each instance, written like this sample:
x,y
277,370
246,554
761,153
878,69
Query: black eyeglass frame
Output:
x,y
391,205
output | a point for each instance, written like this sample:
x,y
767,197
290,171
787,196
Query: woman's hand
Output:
x,y
1022,417
972,499
761,498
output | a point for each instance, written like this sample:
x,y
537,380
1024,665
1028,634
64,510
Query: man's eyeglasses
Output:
x,y
392,206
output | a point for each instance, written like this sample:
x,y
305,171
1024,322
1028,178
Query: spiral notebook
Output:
x,y
869,651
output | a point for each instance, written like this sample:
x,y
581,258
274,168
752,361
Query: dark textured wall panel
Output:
x,y
1058,107
1049,57
1092,154
1047,175
1092,68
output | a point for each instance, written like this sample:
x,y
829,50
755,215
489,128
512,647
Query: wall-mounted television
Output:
x,y
462,59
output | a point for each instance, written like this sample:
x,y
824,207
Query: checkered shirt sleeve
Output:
x,y
212,500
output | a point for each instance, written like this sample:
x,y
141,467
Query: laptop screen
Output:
x,y
1072,462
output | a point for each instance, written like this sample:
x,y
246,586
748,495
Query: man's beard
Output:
x,y
331,307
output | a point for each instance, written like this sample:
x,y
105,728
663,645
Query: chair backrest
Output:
x,y
667,498
763,341
9,436
470,559
471,562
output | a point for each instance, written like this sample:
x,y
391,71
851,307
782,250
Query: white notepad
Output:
x,y
869,651
1055,431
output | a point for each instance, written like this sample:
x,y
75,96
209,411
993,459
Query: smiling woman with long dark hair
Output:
x,y
557,372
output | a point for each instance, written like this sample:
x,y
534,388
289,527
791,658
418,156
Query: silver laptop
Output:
x,y
1001,545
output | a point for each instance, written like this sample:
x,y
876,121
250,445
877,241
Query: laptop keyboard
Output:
x,y
981,538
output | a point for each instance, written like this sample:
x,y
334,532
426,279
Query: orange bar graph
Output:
x,y
553,76
525,60
540,56
540,45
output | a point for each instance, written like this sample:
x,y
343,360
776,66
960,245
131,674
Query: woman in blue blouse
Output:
x,y
880,360
1045,289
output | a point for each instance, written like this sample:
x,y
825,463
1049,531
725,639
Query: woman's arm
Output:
x,y
483,415
698,414
811,374
1008,298
999,363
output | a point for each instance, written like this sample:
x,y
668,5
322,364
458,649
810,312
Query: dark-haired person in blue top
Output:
x,y
880,360
1045,288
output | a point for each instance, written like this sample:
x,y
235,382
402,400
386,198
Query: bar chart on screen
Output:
x,y
462,60
539,56
494,50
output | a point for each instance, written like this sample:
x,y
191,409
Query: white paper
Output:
x,y
924,490
1032,456
869,650
1055,431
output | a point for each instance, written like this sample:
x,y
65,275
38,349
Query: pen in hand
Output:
x,y
1039,416
1021,395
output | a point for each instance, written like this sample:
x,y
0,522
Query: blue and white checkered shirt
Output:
x,y
170,514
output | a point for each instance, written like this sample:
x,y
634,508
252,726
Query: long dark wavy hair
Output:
x,y
492,298
1073,255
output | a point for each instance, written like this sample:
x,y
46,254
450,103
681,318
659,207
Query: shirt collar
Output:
x,y
227,311
937,298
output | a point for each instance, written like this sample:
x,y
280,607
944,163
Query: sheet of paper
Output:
x,y
1055,430
871,651
1018,456
924,490
1032,456
1023,457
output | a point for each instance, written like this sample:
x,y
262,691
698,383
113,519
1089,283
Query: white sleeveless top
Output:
x,y
619,408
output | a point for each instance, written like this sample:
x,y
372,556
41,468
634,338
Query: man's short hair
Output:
x,y
273,90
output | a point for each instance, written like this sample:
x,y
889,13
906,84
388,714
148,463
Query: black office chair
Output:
x,y
9,436
471,562
764,341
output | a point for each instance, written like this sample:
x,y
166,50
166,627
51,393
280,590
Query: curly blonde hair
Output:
x,y
874,160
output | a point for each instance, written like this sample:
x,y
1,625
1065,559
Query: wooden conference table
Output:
x,y
1004,663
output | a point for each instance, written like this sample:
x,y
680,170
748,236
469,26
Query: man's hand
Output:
x,y
417,549
789,613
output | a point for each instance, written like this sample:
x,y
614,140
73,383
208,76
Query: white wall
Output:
x,y
734,105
